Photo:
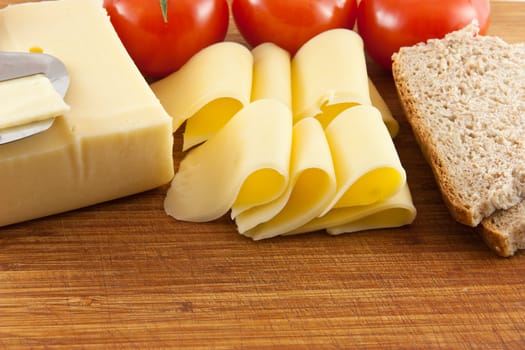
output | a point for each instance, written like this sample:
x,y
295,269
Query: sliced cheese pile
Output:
x,y
115,140
311,149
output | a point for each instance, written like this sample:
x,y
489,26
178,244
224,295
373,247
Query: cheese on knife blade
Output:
x,y
243,165
311,186
271,74
115,140
29,99
207,91
366,162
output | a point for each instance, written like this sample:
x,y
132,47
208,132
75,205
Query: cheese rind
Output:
x,y
244,165
29,99
116,139
208,90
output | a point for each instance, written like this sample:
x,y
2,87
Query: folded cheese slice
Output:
x,y
207,91
271,80
311,186
377,101
115,140
367,166
329,75
395,211
29,99
243,165
271,74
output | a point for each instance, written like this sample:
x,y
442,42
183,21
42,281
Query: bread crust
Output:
x,y
496,240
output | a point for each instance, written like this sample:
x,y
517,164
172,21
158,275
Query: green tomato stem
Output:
x,y
164,9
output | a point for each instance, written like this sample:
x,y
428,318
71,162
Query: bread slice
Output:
x,y
464,97
504,231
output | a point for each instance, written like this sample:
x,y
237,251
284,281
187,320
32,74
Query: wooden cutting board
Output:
x,y
124,275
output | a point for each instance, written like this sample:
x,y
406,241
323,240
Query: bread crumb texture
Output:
x,y
464,96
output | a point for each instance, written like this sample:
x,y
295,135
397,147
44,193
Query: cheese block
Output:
x,y
207,91
243,165
395,211
310,188
367,166
115,140
271,74
29,99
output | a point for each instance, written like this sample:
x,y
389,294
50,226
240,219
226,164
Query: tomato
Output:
x,y
290,23
160,47
387,25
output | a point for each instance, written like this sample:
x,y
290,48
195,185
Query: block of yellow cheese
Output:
x,y
115,140
29,99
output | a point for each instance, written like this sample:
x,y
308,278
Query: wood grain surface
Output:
x,y
123,275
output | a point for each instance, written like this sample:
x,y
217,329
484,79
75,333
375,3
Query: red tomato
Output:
x,y
290,23
387,25
159,48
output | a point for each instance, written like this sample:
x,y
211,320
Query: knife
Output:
x,y
19,64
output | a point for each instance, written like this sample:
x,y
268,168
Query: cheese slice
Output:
x,y
208,90
311,187
366,162
329,75
378,102
395,211
272,74
271,81
243,165
115,140
29,99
